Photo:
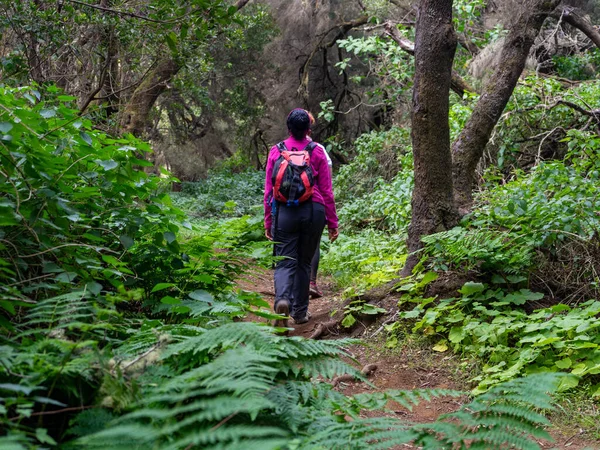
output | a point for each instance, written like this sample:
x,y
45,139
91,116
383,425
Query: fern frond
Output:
x,y
125,437
63,311
231,436
14,442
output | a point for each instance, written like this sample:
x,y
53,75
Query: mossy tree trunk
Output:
x,y
469,146
135,115
433,207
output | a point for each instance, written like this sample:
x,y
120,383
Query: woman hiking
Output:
x,y
298,201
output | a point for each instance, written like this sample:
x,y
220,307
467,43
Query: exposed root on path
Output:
x,y
368,370
325,328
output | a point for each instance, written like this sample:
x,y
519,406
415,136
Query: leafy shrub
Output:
x,y
223,193
490,322
379,155
581,66
365,259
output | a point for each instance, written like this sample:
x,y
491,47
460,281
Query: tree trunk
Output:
x,y
470,144
433,207
137,110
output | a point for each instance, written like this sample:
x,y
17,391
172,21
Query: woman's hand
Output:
x,y
268,234
333,234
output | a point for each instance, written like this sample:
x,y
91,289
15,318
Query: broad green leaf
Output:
x,y
127,241
567,382
564,363
348,321
93,287
161,287
171,39
168,300
441,346
86,137
169,236
202,296
5,127
47,113
456,335
41,435
107,165
470,288
579,369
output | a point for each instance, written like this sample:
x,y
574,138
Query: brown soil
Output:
x,y
406,368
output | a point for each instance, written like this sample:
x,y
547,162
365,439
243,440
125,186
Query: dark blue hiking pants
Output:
x,y
296,231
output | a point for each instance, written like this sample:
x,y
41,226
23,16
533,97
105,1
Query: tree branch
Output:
x,y
458,84
572,17
343,28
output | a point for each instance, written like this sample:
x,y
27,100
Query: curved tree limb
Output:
x,y
342,28
458,84
574,18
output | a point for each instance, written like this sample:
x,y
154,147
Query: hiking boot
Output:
x,y
302,320
283,308
314,291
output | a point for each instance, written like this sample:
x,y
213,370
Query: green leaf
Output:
x,y
47,113
5,127
161,286
86,137
41,435
169,236
564,363
107,165
201,296
171,39
470,288
456,335
126,241
94,288
348,321
168,300
567,382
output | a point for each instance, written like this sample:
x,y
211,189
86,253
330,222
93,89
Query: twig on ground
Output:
x,y
387,322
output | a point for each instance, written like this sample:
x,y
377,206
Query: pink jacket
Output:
x,y
323,192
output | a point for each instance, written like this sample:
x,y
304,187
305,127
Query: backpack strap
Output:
x,y
281,147
310,147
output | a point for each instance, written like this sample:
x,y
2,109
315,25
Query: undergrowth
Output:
x,y
121,331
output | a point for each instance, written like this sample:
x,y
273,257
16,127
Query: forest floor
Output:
x,y
410,366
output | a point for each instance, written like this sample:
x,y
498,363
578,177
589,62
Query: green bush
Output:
x,y
222,194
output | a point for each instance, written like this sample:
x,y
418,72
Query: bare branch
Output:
x,y
125,13
342,28
575,19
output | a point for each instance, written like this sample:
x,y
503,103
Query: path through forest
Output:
x,y
401,368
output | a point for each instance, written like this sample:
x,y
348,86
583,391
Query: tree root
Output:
x,y
324,328
368,370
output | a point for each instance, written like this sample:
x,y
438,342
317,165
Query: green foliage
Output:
x,y
466,13
491,323
375,188
359,308
365,259
222,194
580,66
392,66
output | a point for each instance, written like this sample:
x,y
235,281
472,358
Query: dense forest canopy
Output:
x,y
466,155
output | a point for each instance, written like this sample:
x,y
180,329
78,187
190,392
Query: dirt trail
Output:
x,y
398,369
